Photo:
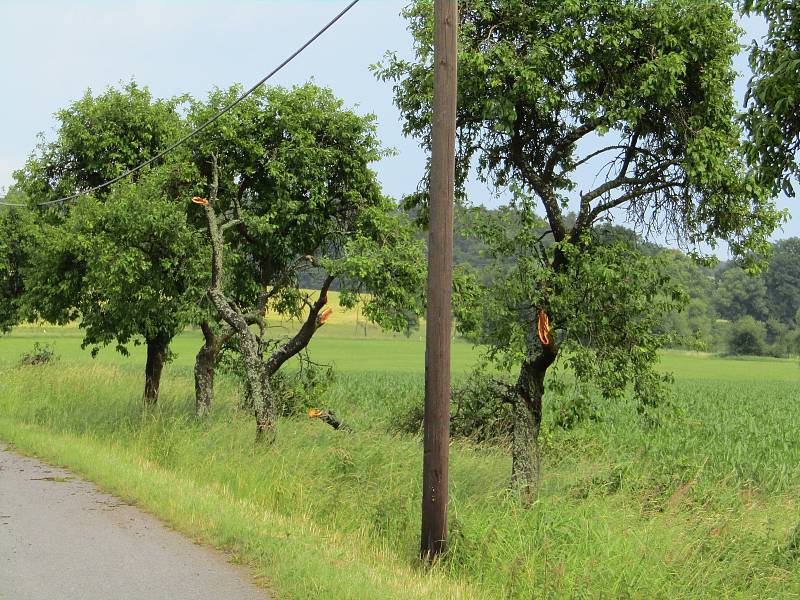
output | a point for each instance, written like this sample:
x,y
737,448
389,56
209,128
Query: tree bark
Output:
x,y
258,384
156,355
301,339
204,369
525,451
257,379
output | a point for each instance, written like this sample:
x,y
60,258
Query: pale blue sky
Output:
x,y
51,51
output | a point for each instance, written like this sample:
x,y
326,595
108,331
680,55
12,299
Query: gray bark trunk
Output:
x,y
255,371
258,386
525,450
205,368
525,454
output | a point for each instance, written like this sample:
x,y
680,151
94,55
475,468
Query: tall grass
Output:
x,y
701,506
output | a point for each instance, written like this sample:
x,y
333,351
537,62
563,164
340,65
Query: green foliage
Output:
x,y
773,95
299,391
124,260
604,306
770,295
693,327
16,232
295,170
779,338
652,80
385,262
408,419
130,266
295,392
468,250
782,280
748,336
605,314
714,296
696,278
98,138
482,408
577,407
741,294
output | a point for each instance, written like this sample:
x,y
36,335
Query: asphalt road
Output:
x,y
62,539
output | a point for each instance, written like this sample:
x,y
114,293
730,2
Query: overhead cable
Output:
x,y
200,128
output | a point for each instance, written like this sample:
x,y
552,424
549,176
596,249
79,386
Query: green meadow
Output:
x,y
702,505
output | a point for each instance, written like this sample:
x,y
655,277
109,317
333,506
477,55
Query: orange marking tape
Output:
x,y
543,328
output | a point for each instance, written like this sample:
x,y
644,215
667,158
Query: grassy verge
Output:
x,y
293,554
207,481
701,507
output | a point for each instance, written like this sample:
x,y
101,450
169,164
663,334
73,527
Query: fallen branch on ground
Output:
x,y
329,417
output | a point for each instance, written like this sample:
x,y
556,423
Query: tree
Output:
x,y
778,338
692,327
98,138
608,299
773,95
696,279
700,316
650,85
794,336
739,294
782,280
129,266
17,228
290,191
747,336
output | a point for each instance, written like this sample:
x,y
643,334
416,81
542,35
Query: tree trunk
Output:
x,y
204,366
525,451
258,386
156,355
265,410
255,370
204,369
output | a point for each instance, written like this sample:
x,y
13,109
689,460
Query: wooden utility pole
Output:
x,y
440,282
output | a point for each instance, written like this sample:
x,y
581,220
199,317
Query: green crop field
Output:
x,y
703,505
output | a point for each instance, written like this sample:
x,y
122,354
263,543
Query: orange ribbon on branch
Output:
x,y
199,200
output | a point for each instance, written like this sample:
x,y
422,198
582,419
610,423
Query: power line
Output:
x,y
194,132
